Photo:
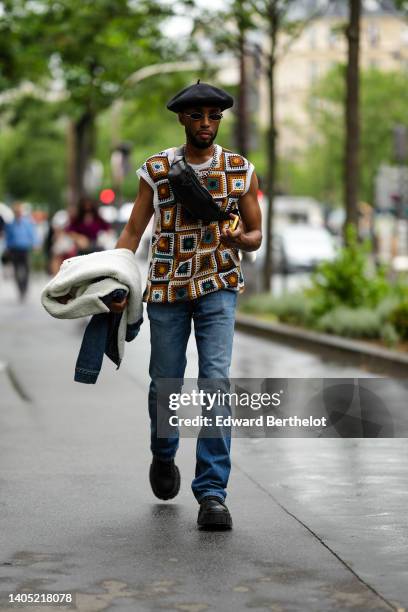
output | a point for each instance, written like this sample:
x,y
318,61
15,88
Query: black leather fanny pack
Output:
x,y
191,194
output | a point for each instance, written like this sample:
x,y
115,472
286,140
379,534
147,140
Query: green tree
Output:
x,y
272,19
276,18
402,5
352,115
384,100
90,49
228,29
33,155
21,58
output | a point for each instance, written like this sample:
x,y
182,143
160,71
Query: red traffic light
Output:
x,y
107,196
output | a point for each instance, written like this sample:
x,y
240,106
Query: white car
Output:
x,y
303,247
298,247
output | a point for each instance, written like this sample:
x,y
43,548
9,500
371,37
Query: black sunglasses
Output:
x,y
197,115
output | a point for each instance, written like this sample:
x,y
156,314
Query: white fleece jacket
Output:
x,y
78,277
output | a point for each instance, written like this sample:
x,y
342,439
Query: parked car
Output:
x,y
303,247
295,209
298,247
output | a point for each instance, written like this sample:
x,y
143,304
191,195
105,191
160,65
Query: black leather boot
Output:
x,y
214,514
164,478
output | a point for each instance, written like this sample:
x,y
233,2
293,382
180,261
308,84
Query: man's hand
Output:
x,y
64,299
118,307
233,238
248,235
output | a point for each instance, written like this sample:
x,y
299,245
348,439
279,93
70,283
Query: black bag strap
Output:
x,y
198,192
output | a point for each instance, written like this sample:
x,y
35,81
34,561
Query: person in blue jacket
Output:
x,y
21,238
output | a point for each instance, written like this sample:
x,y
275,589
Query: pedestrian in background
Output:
x,y
86,227
58,245
21,238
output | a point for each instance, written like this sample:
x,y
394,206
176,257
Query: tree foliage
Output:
x,y
33,155
90,48
84,49
384,99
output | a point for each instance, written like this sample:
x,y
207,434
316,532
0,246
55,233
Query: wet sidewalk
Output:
x,y
318,524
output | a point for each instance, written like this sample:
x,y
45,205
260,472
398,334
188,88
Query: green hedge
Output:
x,y
348,297
292,308
353,323
386,322
399,319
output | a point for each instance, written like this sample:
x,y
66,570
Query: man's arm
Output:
x,y
140,216
134,229
248,235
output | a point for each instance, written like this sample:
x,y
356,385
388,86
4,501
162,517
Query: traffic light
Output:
x,y
107,196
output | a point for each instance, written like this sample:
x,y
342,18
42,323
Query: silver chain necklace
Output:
x,y
203,174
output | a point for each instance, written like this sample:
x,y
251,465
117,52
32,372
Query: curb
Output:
x,y
375,359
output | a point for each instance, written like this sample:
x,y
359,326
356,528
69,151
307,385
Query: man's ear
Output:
x,y
180,118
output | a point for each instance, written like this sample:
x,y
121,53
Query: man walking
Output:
x,y
20,240
194,274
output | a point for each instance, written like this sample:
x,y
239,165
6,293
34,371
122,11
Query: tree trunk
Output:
x,y
352,118
271,147
243,120
81,143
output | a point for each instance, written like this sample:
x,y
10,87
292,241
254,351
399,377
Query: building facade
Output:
x,y
322,44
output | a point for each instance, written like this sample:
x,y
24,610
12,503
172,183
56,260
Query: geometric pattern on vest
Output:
x,y
187,259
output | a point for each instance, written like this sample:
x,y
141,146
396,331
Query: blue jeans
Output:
x,y
170,326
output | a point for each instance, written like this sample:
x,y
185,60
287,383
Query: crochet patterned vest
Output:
x,y
187,259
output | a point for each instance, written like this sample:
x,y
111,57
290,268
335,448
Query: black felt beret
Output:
x,y
200,94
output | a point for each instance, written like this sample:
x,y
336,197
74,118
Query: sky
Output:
x,y
181,26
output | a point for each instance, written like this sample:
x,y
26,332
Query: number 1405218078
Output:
x,y
43,598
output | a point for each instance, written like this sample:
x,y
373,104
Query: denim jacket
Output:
x,y
90,283
101,337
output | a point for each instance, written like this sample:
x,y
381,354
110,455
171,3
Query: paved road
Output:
x,y
318,524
